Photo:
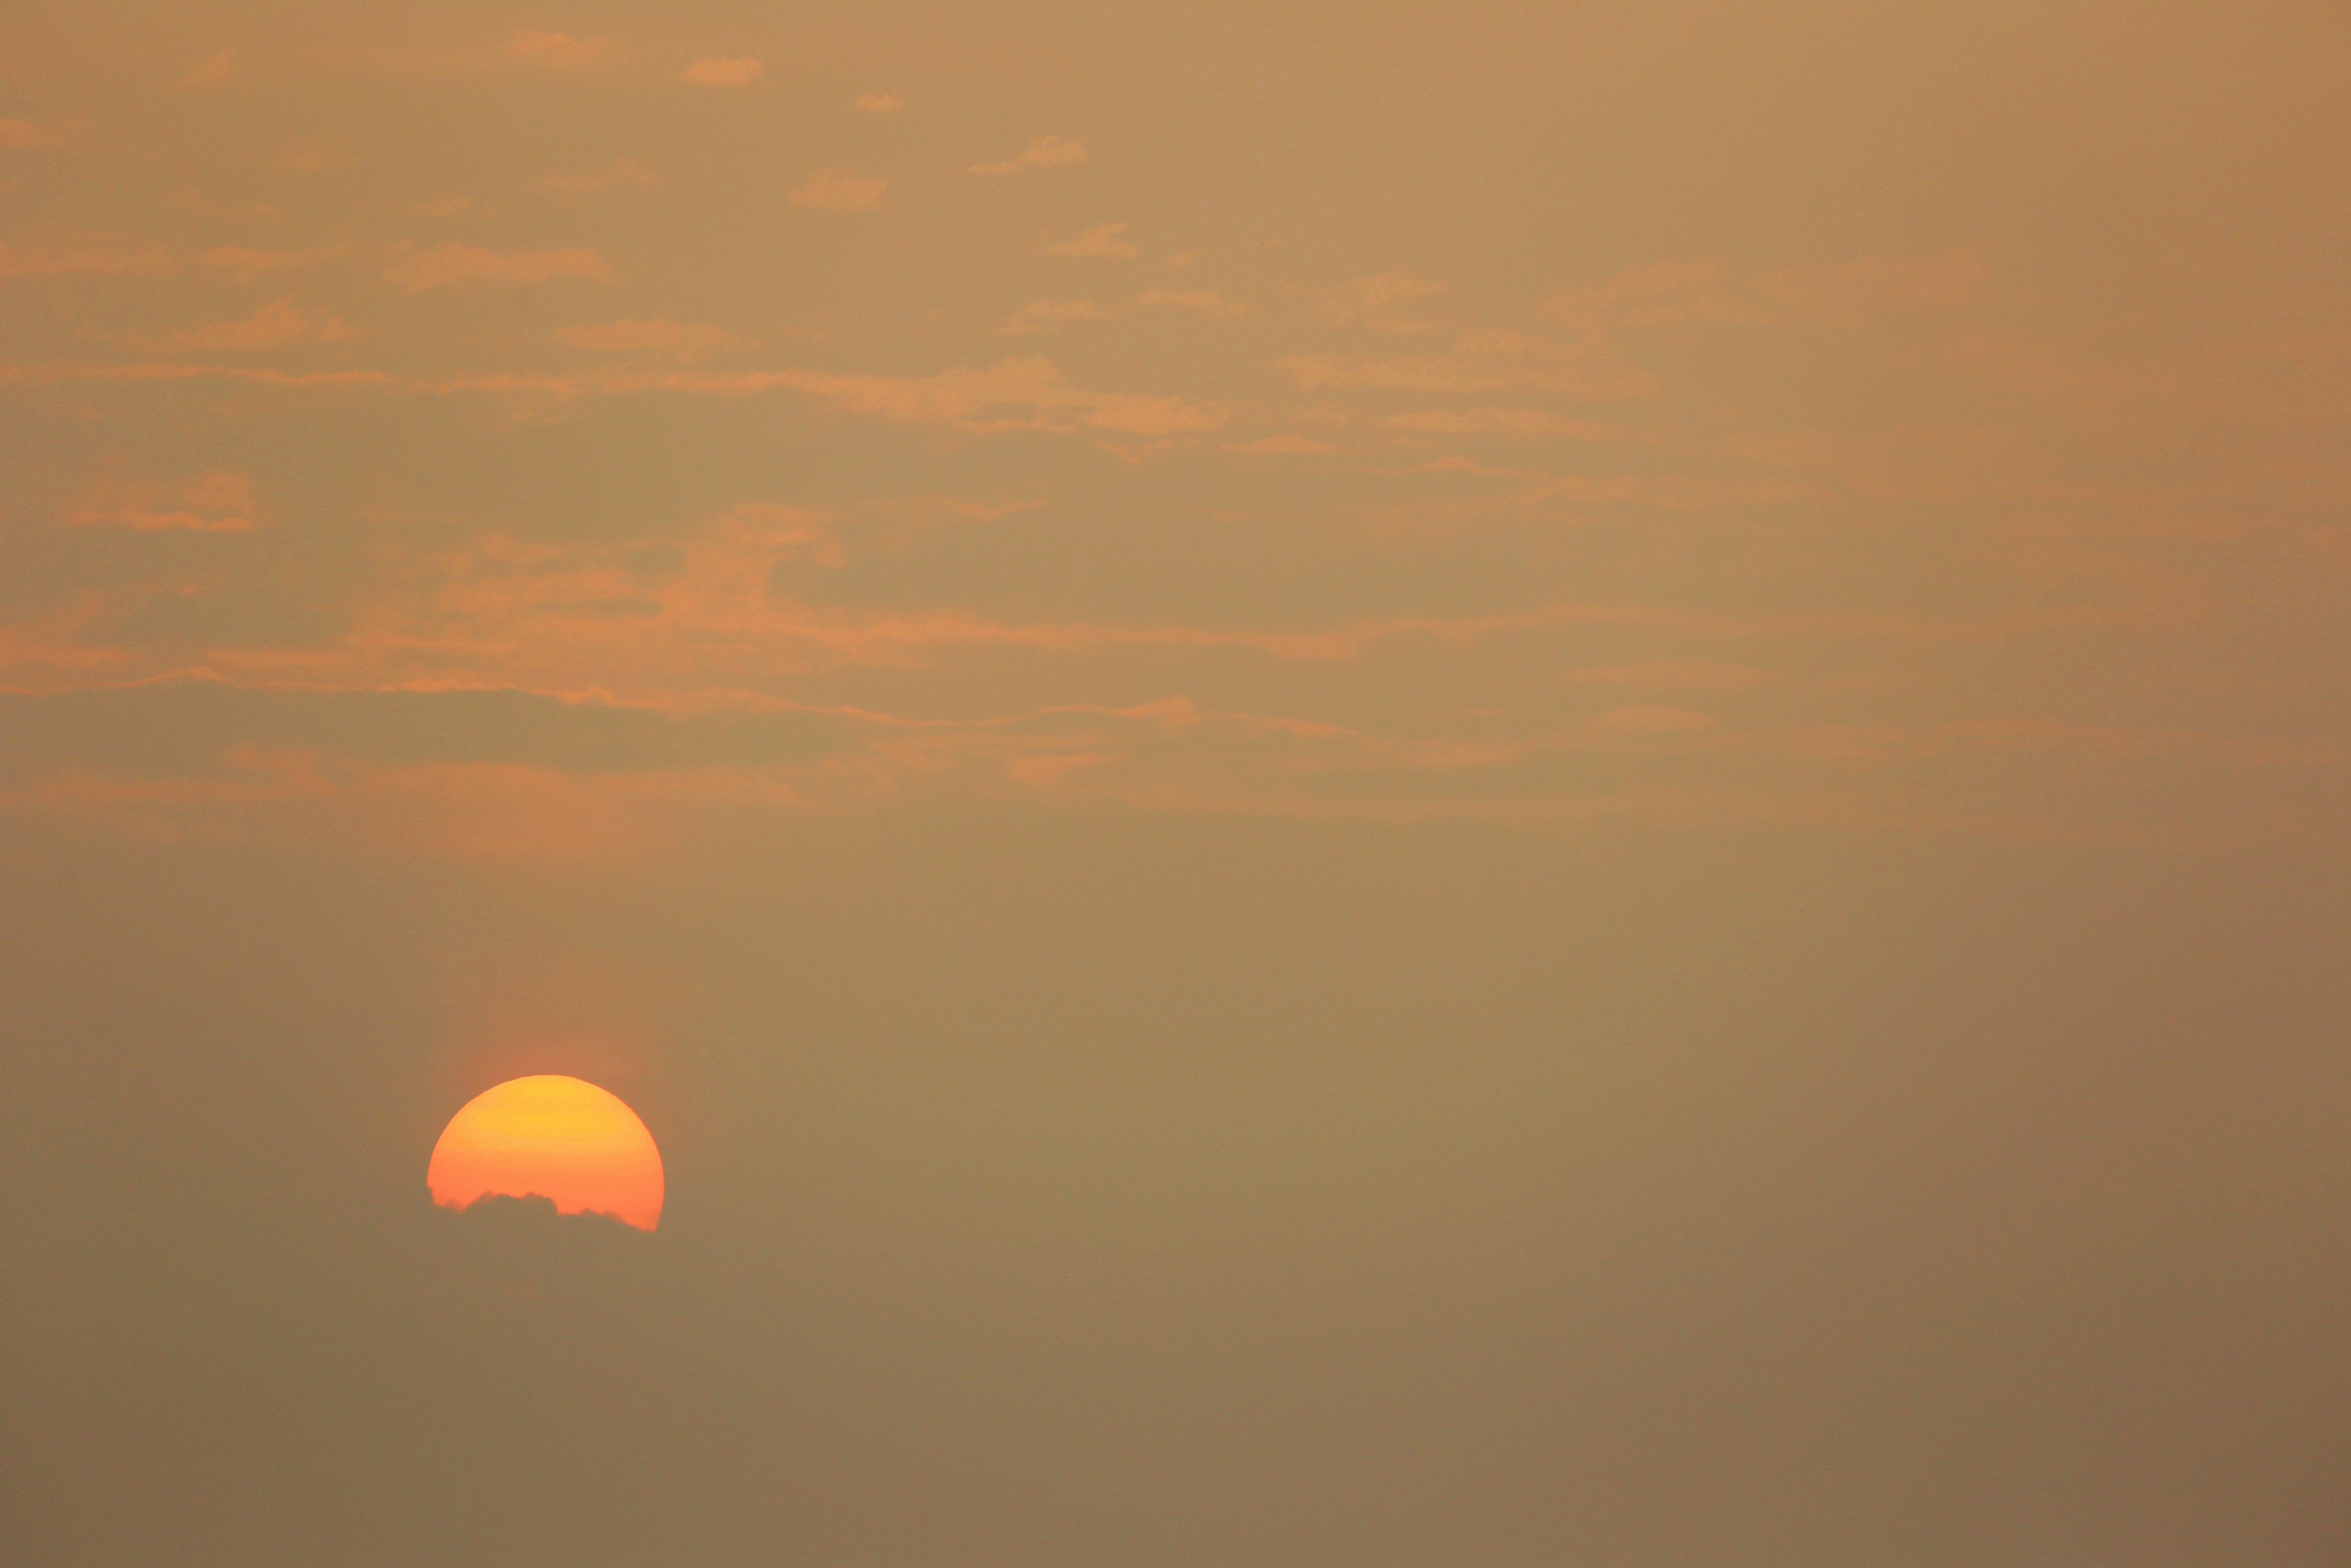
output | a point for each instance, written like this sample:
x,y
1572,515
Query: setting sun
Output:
x,y
555,1137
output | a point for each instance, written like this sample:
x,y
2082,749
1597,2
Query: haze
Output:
x,y
1487,784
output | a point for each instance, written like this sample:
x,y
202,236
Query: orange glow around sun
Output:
x,y
550,1137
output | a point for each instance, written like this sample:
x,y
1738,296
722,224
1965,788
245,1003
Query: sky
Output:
x,y
1390,784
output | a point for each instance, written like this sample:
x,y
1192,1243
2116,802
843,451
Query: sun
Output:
x,y
555,1137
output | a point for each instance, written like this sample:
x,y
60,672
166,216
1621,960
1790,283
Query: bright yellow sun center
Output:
x,y
550,1137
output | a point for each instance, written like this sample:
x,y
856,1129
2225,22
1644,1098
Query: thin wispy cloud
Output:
x,y
621,173
1283,446
783,534
557,51
1485,361
218,503
415,270
1200,301
309,157
1516,423
247,265
1657,294
1023,393
62,260
214,71
1042,152
881,102
1672,675
279,324
840,190
1106,243
714,72
686,342
1849,293
1043,314
1385,302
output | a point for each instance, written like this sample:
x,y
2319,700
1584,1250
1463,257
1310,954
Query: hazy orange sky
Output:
x,y
1492,783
